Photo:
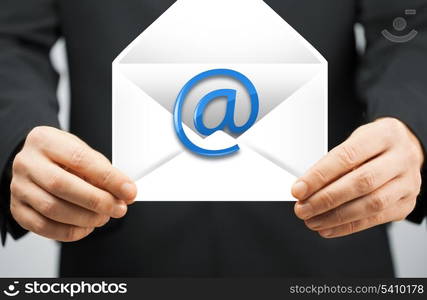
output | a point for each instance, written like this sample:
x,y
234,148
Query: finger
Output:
x,y
356,150
355,184
386,216
54,208
31,220
69,151
366,206
71,188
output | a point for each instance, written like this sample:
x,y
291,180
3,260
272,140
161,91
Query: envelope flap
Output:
x,y
300,129
249,177
220,31
274,84
136,149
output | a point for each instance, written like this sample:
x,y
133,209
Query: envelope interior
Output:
x,y
274,84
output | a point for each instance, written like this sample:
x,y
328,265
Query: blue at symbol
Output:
x,y
227,122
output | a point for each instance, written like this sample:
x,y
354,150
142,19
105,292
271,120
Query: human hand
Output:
x,y
62,189
372,178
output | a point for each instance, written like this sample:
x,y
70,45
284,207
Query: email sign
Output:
x,y
228,120
209,105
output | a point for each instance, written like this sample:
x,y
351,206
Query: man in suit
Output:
x,y
60,186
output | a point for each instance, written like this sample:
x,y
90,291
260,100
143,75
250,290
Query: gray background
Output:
x,y
35,256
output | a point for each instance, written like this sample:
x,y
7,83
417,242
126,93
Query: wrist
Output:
x,y
414,141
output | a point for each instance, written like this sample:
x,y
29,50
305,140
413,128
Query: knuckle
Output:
x,y
365,182
418,178
94,202
54,183
319,175
101,158
93,220
107,176
338,216
310,225
19,163
394,126
47,208
37,135
355,226
398,126
352,227
360,129
387,139
18,217
407,191
415,156
376,219
327,200
77,159
18,191
71,234
14,210
97,203
108,207
323,234
391,129
15,190
39,225
24,223
410,155
377,202
74,233
347,155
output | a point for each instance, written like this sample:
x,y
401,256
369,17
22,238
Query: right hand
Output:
x,y
62,189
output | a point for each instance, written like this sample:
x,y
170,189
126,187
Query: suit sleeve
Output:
x,y
28,82
392,77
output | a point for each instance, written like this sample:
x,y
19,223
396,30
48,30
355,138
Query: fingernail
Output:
x,y
120,209
305,210
128,190
314,223
326,232
299,190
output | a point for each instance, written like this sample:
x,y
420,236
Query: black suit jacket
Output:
x,y
207,239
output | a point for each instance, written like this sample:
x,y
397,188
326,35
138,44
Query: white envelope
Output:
x,y
194,36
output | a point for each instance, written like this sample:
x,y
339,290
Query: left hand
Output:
x,y
372,178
